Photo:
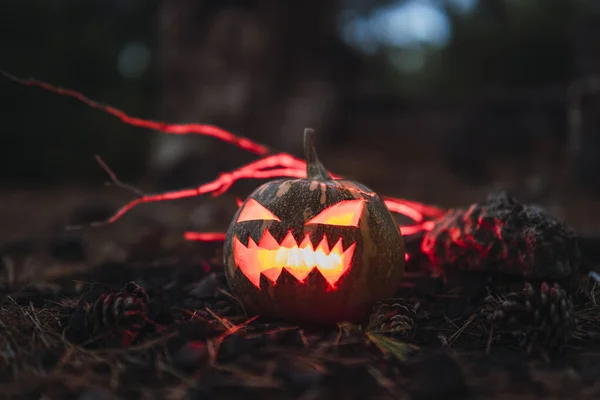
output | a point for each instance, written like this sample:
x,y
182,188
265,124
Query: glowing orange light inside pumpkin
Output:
x,y
269,258
344,213
255,211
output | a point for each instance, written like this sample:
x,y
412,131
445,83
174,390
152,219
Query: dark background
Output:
x,y
437,101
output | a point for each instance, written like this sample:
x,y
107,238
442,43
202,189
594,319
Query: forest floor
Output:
x,y
198,343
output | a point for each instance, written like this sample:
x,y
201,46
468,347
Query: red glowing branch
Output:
x,y
416,211
271,166
205,236
216,187
420,213
173,129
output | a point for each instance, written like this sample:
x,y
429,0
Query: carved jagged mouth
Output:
x,y
270,257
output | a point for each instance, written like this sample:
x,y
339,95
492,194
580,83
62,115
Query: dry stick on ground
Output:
x,y
384,381
226,293
214,344
490,339
459,332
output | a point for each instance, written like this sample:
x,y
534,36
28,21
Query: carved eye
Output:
x,y
254,211
344,213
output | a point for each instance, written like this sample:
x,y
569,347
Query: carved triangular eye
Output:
x,y
344,213
254,211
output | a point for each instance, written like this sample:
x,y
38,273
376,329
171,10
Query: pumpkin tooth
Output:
x,y
242,239
307,243
244,260
323,246
251,244
272,274
298,273
299,236
338,263
289,241
267,241
350,251
338,248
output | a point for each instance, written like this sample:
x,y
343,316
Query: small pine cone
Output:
x,y
544,319
396,317
125,309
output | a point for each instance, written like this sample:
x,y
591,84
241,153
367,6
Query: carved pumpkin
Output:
x,y
313,250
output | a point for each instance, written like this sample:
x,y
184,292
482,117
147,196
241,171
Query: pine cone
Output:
x,y
543,318
395,316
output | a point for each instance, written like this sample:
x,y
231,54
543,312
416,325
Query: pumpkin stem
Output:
x,y
314,169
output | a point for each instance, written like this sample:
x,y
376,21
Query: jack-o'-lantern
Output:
x,y
313,250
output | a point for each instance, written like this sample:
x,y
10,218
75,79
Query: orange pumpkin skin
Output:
x,y
313,250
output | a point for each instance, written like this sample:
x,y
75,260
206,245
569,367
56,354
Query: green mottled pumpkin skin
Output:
x,y
376,269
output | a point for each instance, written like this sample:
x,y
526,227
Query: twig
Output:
x,y
115,179
223,321
33,316
303,337
272,331
448,320
490,339
116,182
390,346
384,381
226,293
214,345
457,334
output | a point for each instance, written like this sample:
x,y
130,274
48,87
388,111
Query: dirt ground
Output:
x,y
201,345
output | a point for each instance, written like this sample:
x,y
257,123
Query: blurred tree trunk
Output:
x,y
584,101
261,69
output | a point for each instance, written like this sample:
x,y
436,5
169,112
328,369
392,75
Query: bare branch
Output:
x,y
115,180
